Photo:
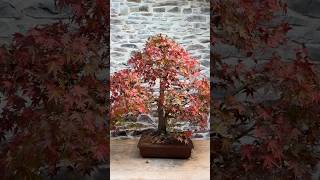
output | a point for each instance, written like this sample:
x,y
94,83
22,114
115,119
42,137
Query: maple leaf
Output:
x,y
2,54
16,102
260,132
79,45
274,147
268,161
298,171
54,92
264,113
100,152
273,4
77,9
90,69
187,134
316,97
79,91
294,134
76,116
7,84
69,101
54,68
226,145
89,120
247,151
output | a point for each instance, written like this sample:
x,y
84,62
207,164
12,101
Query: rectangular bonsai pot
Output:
x,y
172,150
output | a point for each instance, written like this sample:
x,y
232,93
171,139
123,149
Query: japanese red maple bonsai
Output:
x,y
166,74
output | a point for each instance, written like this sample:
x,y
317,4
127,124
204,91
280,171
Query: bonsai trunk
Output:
x,y
162,125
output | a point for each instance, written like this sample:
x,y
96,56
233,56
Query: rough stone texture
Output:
x,y
21,15
186,21
126,163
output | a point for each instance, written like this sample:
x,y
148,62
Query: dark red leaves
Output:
x,y
268,161
79,91
275,148
188,134
100,152
55,106
247,151
272,100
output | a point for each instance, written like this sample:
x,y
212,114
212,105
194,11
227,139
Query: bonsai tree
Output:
x,y
265,120
165,74
55,101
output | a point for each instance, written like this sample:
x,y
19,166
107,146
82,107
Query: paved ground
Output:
x,y
127,164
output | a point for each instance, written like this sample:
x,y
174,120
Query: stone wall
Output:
x,y
133,21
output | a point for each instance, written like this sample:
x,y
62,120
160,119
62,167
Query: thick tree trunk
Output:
x,y
162,125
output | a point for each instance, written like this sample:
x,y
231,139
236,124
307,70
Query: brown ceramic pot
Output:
x,y
175,149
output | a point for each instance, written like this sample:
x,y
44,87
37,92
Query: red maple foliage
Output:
x,y
182,94
269,111
55,101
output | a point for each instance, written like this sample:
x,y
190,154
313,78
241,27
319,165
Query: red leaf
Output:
x,y
54,68
298,171
187,134
268,161
89,120
247,151
260,132
275,148
79,91
100,152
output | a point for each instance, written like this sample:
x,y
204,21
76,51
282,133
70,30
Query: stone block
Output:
x,y
314,51
136,1
175,10
132,22
206,62
205,10
124,10
159,9
42,13
171,3
132,46
195,47
49,6
309,8
146,14
196,18
5,29
116,54
187,10
143,8
7,10
115,21
137,18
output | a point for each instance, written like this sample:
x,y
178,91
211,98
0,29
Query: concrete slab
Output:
x,y
127,164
